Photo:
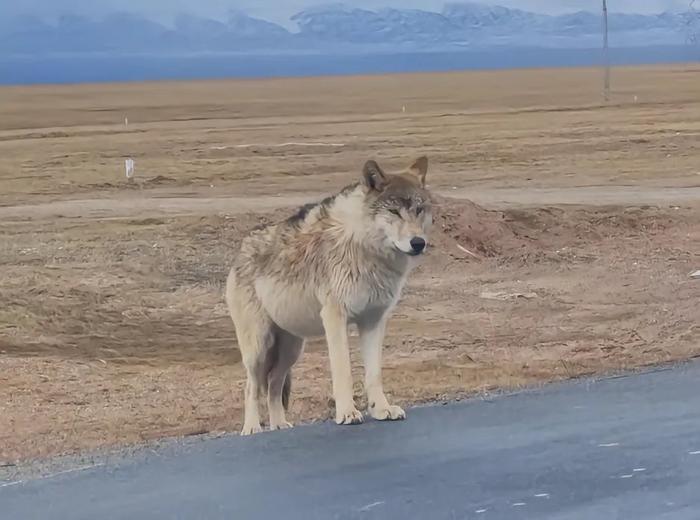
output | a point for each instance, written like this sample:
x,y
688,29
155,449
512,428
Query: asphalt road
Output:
x,y
622,448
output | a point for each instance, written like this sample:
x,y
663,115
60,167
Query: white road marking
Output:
x,y
479,511
371,506
627,476
519,504
542,495
638,470
694,453
71,470
52,475
609,445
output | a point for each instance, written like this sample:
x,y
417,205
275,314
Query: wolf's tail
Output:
x,y
286,390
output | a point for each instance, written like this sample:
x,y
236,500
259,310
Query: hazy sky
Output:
x,y
281,10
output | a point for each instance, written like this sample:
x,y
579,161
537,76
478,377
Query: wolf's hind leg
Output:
x,y
285,352
255,339
255,334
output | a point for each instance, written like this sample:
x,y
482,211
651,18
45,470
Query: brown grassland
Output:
x,y
583,219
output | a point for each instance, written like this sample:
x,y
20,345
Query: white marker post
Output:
x,y
129,167
606,53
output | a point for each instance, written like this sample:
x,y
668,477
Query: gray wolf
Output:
x,y
339,262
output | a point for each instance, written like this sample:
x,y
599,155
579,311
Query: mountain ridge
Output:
x,y
338,26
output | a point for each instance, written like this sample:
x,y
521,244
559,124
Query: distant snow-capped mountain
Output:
x,y
329,27
487,24
350,24
469,15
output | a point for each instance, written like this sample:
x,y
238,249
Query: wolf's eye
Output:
x,y
419,210
395,212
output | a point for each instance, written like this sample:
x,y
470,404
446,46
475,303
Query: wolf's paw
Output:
x,y
350,417
389,413
284,425
251,429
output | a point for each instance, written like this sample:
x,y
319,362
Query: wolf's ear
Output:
x,y
373,176
419,168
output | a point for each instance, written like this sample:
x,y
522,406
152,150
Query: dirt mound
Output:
x,y
465,230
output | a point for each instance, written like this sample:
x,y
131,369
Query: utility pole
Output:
x,y
606,52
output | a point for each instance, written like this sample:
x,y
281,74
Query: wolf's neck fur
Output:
x,y
348,211
350,215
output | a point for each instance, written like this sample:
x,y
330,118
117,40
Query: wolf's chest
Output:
x,y
296,306
373,294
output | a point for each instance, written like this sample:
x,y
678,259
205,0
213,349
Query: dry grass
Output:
x,y
511,128
113,329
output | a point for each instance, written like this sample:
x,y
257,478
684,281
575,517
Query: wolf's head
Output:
x,y
399,205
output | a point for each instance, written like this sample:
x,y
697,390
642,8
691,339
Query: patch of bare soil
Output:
x,y
465,229
115,331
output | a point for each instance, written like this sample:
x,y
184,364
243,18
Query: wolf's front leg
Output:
x,y
336,326
371,339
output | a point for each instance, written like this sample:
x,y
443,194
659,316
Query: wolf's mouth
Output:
x,y
408,253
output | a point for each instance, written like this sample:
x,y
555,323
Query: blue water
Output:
x,y
102,68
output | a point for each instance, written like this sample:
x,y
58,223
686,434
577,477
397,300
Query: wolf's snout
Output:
x,y
417,245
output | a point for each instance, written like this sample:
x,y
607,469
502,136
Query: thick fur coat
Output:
x,y
338,262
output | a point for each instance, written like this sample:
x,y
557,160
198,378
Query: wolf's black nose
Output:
x,y
418,244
